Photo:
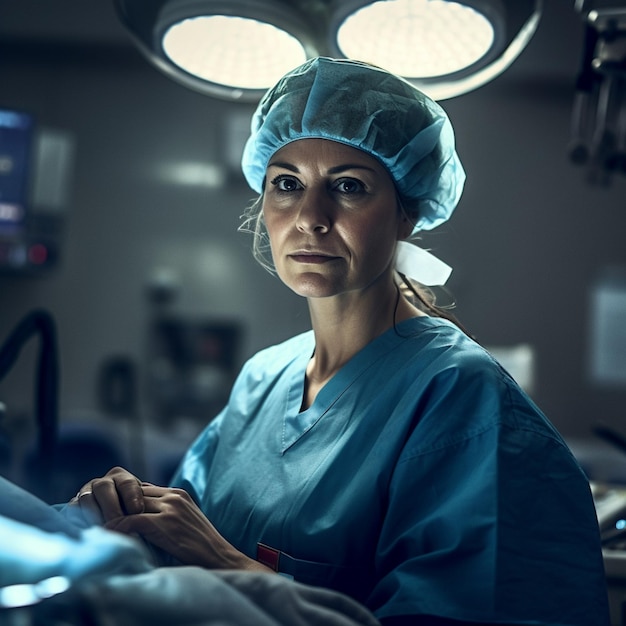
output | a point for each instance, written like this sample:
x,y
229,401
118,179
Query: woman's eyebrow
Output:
x,y
286,166
349,166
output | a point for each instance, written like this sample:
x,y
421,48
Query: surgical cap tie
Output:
x,y
421,265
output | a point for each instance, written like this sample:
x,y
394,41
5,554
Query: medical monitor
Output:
x,y
16,138
35,173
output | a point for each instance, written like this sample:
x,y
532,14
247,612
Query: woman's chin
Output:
x,y
313,285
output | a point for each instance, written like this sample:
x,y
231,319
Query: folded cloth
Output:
x,y
29,555
22,506
192,596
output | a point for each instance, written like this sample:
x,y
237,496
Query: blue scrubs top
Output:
x,y
421,481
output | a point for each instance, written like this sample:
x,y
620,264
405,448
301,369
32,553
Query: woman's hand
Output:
x,y
172,521
116,494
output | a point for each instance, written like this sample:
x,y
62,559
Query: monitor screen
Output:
x,y
16,130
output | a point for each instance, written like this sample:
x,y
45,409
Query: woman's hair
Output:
x,y
419,295
254,224
425,300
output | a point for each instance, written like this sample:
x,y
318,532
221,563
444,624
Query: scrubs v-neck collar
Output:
x,y
297,423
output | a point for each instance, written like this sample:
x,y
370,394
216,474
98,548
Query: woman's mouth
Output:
x,y
312,257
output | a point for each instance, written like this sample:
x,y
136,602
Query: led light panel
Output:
x,y
416,38
235,51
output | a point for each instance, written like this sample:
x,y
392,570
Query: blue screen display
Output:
x,y
15,150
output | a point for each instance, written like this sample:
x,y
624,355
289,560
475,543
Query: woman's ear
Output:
x,y
405,228
408,219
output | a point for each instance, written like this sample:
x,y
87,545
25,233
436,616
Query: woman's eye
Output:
x,y
286,183
349,185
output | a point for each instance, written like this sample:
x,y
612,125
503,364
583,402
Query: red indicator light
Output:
x,y
38,254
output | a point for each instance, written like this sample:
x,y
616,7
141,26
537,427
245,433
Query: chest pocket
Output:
x,y
355,582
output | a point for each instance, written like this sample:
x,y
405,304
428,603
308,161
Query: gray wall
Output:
x,y
527,243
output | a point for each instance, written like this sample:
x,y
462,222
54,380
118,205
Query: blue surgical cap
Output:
x,y
367,108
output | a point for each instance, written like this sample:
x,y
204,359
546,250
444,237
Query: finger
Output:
x,y
106,498
119,524
131,524
85,488
153,491
130,493
88,507
156,504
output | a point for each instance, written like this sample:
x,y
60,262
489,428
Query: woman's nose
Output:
x,y
314,214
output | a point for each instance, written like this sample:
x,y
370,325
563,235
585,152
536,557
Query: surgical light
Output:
x,y
231,49
443,37
236,49
197,46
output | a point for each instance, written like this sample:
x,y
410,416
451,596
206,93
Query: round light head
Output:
x,y
443,37
233,51
236,48
444,47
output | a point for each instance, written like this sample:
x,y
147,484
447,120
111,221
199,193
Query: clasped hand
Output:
x,y
165,517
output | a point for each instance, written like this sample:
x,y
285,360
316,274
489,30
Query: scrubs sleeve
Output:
x,y
493,525
192,473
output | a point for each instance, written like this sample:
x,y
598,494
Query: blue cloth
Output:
x,y
422,481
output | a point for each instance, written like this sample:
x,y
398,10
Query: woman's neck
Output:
x,y
344,325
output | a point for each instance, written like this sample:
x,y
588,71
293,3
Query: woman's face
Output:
x,y
332,217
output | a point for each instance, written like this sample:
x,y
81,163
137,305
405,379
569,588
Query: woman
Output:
x,y
383,454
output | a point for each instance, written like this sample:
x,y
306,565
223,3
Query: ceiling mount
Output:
x,y
599,112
